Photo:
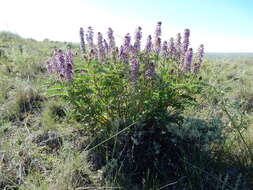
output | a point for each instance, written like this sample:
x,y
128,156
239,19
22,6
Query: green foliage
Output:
x,y
106,101
103,93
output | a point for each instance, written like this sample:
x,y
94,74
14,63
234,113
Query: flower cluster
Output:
x,y
149,45
178,46
89,37
199,60
111,40
61,63
157,40
186,67
82,42
101,47
137,43
186,41
176,50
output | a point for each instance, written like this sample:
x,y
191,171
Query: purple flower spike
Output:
x,y
186,41
122,55
69,56
157,46
61,62
165,50
69,65
127,43
188,60
134,68
106,47
158,30
101,48
149,45
157,40
89,37
201,53
178,46
125,49
199,60
111,41
82,43
137,43
172,49
178,42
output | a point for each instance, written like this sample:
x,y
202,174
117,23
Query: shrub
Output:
x,y
129,100
107,101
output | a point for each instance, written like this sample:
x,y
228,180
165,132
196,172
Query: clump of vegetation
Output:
x,y
25,99
133,105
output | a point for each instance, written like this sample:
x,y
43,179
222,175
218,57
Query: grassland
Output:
x,y
41,147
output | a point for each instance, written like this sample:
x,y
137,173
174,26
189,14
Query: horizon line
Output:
x,y
31,38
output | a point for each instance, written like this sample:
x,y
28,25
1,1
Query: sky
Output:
x,y
221,25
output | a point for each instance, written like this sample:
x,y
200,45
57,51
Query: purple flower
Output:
x,y
158,30
157,45
149,45
186,41
137,43
188,60
172,49
157,40
111,40
89,37
69,56
199,60
164,52
134,68
69,73
125,50
127,43
122,55
178,42
101,48
65,64
200,53
61,62
106,47
82,43
150,70
178,46
68,69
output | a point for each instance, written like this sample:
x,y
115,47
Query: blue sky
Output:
x,y
221,25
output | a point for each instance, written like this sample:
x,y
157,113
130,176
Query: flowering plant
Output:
x,y
129,84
